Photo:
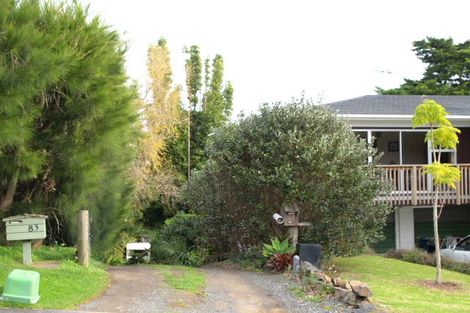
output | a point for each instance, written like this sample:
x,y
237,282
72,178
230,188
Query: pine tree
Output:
x,y
70,118
447,69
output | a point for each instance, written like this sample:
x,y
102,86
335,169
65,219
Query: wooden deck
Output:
x,y
409,186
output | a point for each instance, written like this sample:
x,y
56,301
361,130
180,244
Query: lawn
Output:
x,y
64,284
399,285
183,278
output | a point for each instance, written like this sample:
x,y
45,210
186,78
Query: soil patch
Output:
x,y
445,285
46,264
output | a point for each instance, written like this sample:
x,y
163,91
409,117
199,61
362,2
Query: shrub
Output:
x,y
184,226
278,247
419,256
279,254
116,255
296,153
179,241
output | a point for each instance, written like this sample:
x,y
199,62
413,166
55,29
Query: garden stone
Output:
x,y
345,295
364,307
360,288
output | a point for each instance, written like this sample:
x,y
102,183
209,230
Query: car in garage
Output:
x,y
459,252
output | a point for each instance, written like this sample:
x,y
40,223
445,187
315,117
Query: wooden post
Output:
x,y
84,239
27,259
414,187
293,233
457,189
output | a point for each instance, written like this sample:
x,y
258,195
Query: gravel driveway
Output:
x,y
142,289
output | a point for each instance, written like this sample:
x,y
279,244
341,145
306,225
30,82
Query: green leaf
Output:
x,y
430,113
443,174
444,137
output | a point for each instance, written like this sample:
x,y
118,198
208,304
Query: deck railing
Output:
x,y
409,185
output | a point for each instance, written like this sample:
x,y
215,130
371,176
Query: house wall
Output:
x,y
404,228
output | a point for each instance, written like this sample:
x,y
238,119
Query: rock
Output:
x,y
338,282
309,267
360,288
325,278
345,295
364,307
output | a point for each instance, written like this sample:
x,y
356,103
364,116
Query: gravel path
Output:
x,y
142,289
232,291
279,285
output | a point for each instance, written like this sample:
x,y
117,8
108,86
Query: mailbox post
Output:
x,y
292,222
26,228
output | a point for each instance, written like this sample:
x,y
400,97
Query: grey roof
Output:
x,y
398,105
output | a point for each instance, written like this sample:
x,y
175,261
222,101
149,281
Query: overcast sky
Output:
x,y
275,50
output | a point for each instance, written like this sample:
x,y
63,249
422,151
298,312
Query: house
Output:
x,y
385,121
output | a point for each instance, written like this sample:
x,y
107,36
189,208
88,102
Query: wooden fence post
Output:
x,y
414,186
84,238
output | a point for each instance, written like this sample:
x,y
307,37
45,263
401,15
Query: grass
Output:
x,y
183,278
399,285
64,286
301,293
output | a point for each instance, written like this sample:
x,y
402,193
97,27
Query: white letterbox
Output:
x,y
25,227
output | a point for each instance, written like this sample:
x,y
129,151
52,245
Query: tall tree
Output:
x,y
447,69
193,68
210,105
441,135
161,118
68,118
218,100
25,72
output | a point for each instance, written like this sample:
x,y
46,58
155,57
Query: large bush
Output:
x,y
293,153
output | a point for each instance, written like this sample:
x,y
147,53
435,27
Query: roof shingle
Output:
x,y
398,105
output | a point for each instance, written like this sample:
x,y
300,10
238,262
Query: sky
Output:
x,y
328,50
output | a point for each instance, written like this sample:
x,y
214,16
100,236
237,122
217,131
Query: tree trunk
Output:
x,y
436,238
7,199
189,142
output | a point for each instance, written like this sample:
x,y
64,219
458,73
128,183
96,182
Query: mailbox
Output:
x,y
292,215
25,227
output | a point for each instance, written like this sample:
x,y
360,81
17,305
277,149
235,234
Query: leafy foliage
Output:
x,y
295,152
443,174
68,118
279,261
447,71
442,135
429,112
277,247
279,254
179,241
203,114
161,117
